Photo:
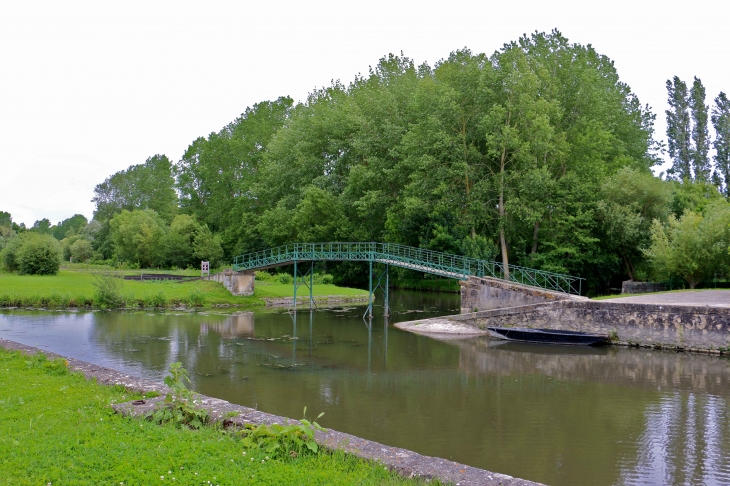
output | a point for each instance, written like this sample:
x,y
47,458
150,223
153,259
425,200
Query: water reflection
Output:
x,y
558,415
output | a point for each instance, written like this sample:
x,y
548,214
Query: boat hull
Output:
x,y
547,336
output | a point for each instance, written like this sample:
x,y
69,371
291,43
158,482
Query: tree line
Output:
x,y
536,155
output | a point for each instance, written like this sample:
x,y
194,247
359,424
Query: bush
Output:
x,y
38,255
109,291
81,251
10,252
285,278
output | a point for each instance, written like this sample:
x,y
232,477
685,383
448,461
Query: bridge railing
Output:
x,y
429,261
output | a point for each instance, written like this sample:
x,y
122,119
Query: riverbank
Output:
x,y
686,321
66,424
78,287
78,438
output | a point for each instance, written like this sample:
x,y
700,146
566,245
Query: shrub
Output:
x,y
38,255
196,298
109,291
158,300
285,278
81,251
10,252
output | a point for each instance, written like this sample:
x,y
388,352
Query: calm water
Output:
x,y
557,415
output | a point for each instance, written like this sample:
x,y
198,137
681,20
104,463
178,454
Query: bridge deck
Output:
x,y
427,261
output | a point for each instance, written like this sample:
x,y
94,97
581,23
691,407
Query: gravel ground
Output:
x,y
714,298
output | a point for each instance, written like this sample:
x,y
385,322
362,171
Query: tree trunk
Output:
x,y
629,269
502,239
534,237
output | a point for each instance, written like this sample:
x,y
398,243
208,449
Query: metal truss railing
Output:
x,y
427,261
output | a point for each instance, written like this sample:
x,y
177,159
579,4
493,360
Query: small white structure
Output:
x,y
204,268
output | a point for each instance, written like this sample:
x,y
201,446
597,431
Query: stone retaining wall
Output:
x,y
479,294
324,301
237,283
697,328
631,287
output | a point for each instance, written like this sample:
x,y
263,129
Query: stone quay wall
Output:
x,y
631,287
237,283
680,327
486,293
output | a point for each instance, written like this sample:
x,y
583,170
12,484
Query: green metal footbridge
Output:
x,y
427,261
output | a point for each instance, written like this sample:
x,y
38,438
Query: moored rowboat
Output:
x,y
547,336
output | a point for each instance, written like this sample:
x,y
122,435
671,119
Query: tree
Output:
x,y
520,134
74,224
700,134
207,246
178,242
6,221
42,226
678,130
693,247
81,251
216,174
146,186
137,237
630,201
721,123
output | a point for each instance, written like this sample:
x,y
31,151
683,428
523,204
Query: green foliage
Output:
x,y
109,291
81,250
196,298
721,122
286,278
148,186
36,254
179,407
71,226
700,135
42,226
6,220
277,440
693,247
137,237
678,130
10,252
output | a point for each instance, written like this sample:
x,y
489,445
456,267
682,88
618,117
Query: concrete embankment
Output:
x,y
407,463
682,321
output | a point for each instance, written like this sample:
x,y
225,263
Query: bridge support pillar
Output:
x,y
379,285
301,279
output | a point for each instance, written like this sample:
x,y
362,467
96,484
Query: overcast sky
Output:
x,y
90,88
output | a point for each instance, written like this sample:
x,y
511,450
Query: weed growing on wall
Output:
x,y
179,407
283,440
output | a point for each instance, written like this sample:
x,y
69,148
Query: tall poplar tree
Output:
x,y
678,130
721,122
700,135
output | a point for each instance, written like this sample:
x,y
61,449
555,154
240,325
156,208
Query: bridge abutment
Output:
x,y
487,293
237,283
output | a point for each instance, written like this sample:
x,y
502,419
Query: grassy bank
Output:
x,y
58,428
76,286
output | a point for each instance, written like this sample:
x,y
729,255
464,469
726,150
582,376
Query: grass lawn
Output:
x,y
75,286
58,428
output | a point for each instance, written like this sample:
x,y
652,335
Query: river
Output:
x,y
557,415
